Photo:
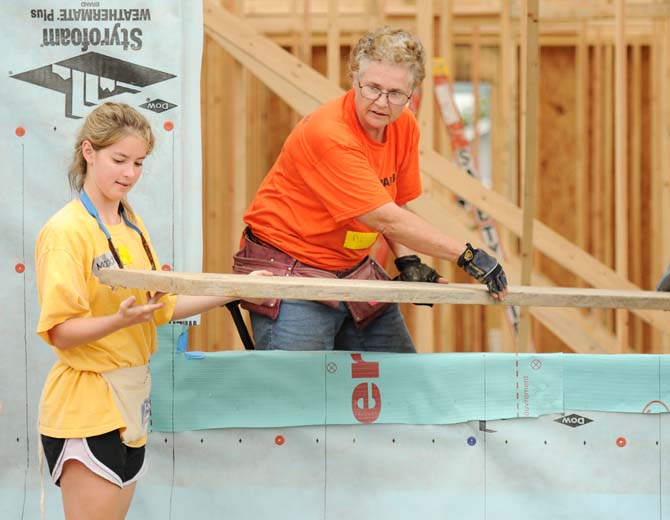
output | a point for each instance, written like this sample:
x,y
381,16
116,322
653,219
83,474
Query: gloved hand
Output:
x,y
412,269
482,266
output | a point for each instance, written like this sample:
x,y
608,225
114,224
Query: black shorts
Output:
x,y
120,464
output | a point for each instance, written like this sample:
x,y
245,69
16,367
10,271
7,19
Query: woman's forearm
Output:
x,y
403,228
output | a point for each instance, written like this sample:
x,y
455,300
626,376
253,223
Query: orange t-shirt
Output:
x,y
328,173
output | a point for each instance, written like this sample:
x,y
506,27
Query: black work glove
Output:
x,y
412,269
482,266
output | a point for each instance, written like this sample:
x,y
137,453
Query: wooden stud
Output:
x,y
424,22
530,63
636,207
474,80
608,151
665,157
508,96
444,323
333,45
507,180
420,321
621,168
597,153
581,139
446,27
657,86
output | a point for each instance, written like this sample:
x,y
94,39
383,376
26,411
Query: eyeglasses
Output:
x,y
394,97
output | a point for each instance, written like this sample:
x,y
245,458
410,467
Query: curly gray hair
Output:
x,y
393,46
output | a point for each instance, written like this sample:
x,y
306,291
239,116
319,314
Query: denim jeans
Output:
x,y
308,325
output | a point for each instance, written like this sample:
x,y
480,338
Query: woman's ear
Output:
x,y
87,151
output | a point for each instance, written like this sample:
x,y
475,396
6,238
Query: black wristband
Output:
x,y
467,255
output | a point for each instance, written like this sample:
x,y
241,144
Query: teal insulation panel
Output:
x,y
273,389
303,436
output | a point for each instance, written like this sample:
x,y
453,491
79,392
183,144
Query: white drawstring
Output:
x,y
40,463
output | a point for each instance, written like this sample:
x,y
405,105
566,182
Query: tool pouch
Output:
x,y
255,255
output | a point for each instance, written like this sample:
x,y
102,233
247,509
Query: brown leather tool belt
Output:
x,y
256,254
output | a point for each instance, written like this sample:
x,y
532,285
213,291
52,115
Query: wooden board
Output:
x,y
241,286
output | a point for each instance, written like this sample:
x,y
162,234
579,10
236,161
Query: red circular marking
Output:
x,y
166,267
648,407
20,131
168,125
19,268
279,440
621,442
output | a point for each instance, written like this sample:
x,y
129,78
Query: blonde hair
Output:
x,y
393,46
104,126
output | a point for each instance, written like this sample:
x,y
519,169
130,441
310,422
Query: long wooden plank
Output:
x,y
242,286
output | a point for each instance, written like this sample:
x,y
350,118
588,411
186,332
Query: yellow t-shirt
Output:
x,y
71,247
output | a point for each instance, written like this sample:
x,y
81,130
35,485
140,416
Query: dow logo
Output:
x,y
158,105
573,420
92,77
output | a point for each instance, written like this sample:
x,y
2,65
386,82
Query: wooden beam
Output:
x,y
293,288
424,22
375,14
580,10
636,238
529,103
621,166
444,321
475,47
333,45
665,157
658,85
581,138
596,216
446,27
303,88
508,100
